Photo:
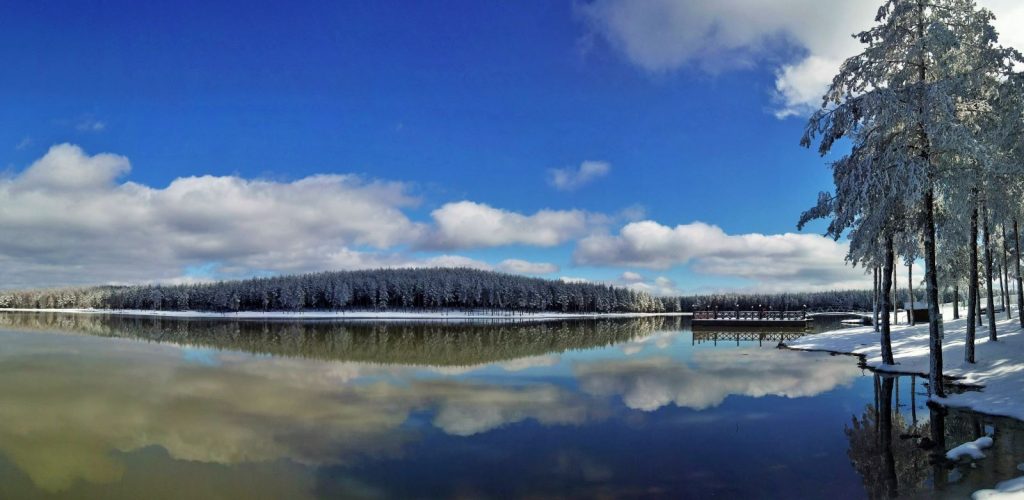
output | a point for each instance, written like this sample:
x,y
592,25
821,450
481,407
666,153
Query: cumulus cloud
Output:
x,y
70,218
660,287
574,279
467,224
518,266
568,179
664,35
631,277
778,261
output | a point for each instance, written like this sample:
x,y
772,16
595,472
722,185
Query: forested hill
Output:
x,y
381,289
412,290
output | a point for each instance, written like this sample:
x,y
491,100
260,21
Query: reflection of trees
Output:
x,y
895,457
422,343
887,463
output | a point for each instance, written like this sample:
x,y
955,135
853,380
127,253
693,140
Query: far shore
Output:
x,y
442,315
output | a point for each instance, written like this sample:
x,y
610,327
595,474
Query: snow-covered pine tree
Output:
x,y
899,100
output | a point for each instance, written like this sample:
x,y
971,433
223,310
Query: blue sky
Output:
x,y
435,104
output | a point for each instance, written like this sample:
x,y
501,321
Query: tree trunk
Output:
x,y
887,274
1020,285
895,294
931,279
1002,289
977,304
956,301
910,292
990,315
874,298
1006,275
972,289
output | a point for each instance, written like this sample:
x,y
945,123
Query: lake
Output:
x,y
121,407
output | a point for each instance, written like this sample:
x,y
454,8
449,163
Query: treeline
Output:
x,y
833,300
846,300
414,290
380,290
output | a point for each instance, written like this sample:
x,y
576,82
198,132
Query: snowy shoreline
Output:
x,y
998,370
444,315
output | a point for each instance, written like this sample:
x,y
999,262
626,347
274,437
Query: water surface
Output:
x,y
116,407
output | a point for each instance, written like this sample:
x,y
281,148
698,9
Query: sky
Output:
x,y
649,144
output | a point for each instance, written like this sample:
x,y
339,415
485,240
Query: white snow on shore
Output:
x,y
971,449
461,315
999,366
1006,490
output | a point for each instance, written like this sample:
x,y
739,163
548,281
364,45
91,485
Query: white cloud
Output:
x,y
778,261
631,277
90,124
69,219
711,376
574,279
661,287
67,168
466,224
665,35
568,179
523,267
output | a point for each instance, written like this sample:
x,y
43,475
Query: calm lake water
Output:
x,y
109,407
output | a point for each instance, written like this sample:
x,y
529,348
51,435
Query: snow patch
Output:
x,y
971,449
1012,489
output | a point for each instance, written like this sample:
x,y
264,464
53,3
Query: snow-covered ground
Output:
x,y
999,370
461,315
999,366
1006,490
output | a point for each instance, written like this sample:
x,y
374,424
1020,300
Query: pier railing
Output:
x,y
750,315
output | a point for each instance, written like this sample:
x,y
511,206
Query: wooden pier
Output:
x,y
750,318
773,336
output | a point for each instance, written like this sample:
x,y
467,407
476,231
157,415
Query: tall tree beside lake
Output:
x,y
908,103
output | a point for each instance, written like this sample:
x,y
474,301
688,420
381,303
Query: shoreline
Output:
x,y
443,315
996,379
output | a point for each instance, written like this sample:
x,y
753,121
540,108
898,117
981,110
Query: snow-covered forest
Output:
x,y
932,111
411,290
380,289
834,300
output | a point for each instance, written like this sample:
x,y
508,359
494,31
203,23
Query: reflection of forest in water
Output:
x,y
414,343
899,450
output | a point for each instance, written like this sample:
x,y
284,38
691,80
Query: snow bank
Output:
x,y
1012,489
999,368
971,449
474,315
